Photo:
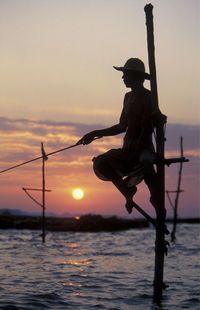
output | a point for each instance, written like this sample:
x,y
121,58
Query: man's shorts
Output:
x,y
119,160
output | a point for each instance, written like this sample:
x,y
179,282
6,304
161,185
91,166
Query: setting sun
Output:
x,y
78,193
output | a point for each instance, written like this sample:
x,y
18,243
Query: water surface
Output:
x,y
88,271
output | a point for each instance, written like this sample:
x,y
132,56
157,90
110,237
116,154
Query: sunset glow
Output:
x,y
58,83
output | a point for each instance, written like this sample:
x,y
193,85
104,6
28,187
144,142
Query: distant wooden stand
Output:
x,y
177,192
43,190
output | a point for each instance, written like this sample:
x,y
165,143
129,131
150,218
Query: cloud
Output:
x,y
41,127
21,138
21,141
190,134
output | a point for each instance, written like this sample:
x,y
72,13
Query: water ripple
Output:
x,y
88,271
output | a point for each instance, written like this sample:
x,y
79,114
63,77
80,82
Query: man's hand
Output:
x,y
87,139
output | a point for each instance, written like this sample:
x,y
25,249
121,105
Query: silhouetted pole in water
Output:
x,y
159,123
178,191
43,190
44,158
160,244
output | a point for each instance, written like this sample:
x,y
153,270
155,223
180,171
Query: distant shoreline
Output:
x,y
189,220
85,223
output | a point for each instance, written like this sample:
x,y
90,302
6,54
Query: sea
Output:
x,y
97,271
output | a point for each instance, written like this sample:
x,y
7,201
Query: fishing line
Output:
x,y
40,157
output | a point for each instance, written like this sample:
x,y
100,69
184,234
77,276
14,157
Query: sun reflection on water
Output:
x,y
73,245
72,284
74,262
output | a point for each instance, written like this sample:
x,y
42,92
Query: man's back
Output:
x,y
136,114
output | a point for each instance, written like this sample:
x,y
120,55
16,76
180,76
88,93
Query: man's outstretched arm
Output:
x,y
110,131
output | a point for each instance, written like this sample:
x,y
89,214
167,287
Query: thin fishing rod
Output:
x,y
40,157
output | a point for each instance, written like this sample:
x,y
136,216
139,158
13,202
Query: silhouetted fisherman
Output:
x,y
128,166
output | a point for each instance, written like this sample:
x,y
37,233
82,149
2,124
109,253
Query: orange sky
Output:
x,y
20,140
57,82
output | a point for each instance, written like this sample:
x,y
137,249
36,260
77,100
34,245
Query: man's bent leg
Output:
x,y
103,166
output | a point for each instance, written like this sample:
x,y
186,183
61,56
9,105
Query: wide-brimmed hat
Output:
x,y
134,65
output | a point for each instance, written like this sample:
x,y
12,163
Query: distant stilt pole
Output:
x,y
43,200
178,191
44,158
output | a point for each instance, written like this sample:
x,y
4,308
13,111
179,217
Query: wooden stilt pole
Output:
x,y
173,233
43,200
160,244
178,191
44,158
41,204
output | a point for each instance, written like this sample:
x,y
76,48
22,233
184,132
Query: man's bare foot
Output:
x,y
131,191
129,206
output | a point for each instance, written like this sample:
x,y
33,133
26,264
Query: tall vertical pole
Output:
x,y
160,245
43,200
178,191
44,158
